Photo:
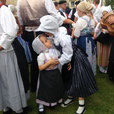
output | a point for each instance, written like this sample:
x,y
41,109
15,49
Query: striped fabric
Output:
x,y
103,52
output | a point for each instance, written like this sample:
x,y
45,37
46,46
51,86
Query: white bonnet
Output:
x,y
106,8
38,46
48,24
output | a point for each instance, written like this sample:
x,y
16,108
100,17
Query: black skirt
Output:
x,y
50,87
83,80
111,63
22,63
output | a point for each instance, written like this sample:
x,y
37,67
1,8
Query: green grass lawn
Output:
x,y
100,103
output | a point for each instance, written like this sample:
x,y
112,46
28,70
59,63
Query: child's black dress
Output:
x,y
83,82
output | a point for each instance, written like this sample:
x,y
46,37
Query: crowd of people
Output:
x,y
50,49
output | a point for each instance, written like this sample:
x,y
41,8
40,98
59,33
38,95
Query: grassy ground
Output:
x,y
100,103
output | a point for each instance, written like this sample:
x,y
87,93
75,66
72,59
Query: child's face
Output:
x,y
46,42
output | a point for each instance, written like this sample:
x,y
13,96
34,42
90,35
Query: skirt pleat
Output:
x,y
12,92
83,80
50,87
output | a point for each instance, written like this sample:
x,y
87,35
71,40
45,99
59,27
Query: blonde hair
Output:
x,y
85,7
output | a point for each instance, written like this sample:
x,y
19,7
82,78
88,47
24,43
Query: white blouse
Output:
x,y
64,41
82,24
8,28
47,55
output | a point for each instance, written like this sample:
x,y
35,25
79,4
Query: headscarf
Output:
x,y
85,6
48,24
106,8
38,46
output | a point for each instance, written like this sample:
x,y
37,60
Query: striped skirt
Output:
x,y
103,52
83,80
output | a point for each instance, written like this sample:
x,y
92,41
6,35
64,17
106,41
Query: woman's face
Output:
x,y
46,42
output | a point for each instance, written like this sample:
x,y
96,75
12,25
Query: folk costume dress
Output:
x,y
50,84
12,92
83,29
82,82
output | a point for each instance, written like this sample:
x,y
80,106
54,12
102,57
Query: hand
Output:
x,y
53,61
69,67
51,67
1,48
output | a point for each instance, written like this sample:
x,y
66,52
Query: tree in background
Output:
x,y
110,2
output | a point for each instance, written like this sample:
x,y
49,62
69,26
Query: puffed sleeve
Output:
x,y
67,50
79,26
9,27
50,7
40,59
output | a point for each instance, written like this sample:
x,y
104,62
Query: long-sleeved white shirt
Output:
x,y
8,28
65,42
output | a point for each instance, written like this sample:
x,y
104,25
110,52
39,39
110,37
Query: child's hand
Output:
x,y
69,67
53,61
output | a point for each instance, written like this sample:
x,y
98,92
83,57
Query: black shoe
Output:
x,y
8,112
27,109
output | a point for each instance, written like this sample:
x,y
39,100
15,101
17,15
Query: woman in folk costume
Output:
x,y
50,84
104,43
12,94
107,23
22,53
83,30
83,82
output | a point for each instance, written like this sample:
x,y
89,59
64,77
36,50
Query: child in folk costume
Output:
x,y
83,82
50,85
83,30
12,93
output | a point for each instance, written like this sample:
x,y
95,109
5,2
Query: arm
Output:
x,y
75,19
1,48
50,7
68,21
9,27
66,49
42,65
